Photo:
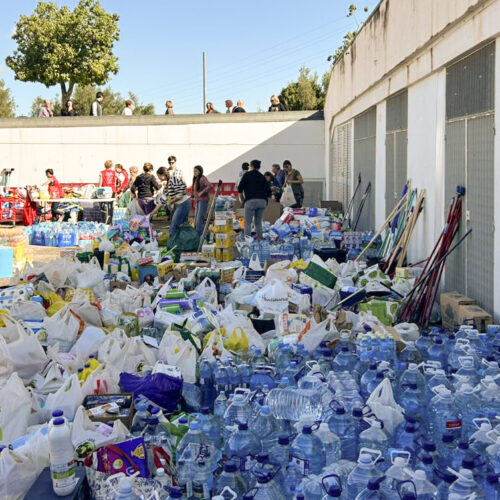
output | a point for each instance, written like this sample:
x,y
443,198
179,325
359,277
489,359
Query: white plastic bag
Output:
x,y
182,354
67,398
88,342
24,355
134,353
58,272
106,246
325,330
62,327
383,404
281,271
254,263
10,331
208,291
89,313
273,298
27,310
52,378
288,198
103,380
15,408
18,472
90,276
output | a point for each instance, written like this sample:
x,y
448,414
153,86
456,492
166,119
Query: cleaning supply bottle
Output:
x,y
61,454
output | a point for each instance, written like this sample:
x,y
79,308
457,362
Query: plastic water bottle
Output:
x,y
231,478
460,453
333,487
243,444
61,454
344,360
493,455
308,452
492,487
398,471
437,352
195,436
411,375
407,440
340,423
221,377
164,481
423,343
125,491
374,437
465,486
331,443
425,489
202,480
207,386
280,453
266,488
364,471
446,417
412,401
373,491
292,405
480,439
266,428
140,421
220,406
446,448
210,426
293,477
238,411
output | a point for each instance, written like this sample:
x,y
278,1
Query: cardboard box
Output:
x,y
334,206
472,314
450,304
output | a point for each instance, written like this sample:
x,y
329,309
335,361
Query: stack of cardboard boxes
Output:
x,y
225,239
457,309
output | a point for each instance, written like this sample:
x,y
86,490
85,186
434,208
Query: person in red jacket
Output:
x,y
121,179
107,178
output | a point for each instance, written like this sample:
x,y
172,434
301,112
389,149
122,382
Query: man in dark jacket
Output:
x,y
255,192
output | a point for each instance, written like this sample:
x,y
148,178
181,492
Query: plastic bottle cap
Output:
x,y
262,458
365,458
468,462
399,462
57,413
334,491
438,340
357,412
420,475
464,445
427,459
292,464
265,410
307,429
412,367
230,467
466,475
194,425
155,410
285,380
447,438
409,495
283,439
59,421
86,365
160,472
340,410
205,411
243,426
492,478
183,421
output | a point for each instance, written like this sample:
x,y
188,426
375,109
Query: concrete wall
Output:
x,y
409,44
76,148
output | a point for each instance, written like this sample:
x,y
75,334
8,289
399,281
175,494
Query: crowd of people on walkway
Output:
x,y
96,108
147,193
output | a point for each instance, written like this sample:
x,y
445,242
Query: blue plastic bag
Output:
x,y
161,389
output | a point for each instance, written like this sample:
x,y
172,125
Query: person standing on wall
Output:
x,y
255,192
96,107
294,179
46,110
229,106
170,108
276,104
201,189
177,195
68,109
240,107
128,110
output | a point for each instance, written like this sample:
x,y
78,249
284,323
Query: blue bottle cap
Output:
x,y
57,413
59,421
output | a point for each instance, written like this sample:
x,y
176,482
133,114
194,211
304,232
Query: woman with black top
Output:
x,y
144,188
255,191
68,109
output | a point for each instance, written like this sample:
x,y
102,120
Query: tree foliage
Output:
x,y
57,46
349,36
306,93
7,104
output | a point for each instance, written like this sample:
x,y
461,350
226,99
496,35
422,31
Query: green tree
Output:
x,y
57,46
7,104
306,93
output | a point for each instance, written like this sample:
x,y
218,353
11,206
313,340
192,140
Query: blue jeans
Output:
x,y
180,217
199,217
254,210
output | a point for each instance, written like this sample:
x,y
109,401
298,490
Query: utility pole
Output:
x,y
204,82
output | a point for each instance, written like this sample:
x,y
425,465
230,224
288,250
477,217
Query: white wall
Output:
x,y
496,243
426,158
380,172
77,152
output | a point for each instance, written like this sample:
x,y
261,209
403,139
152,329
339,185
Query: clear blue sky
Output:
x,y
253,49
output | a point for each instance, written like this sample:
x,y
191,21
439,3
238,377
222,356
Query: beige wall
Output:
x,y
76,148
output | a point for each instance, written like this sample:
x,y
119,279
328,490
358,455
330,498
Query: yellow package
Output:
x,y
165,267
299,264
224,240
235,341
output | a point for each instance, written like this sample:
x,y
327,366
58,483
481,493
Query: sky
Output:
x,y
252,49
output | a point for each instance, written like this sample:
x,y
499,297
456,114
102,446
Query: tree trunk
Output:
x,y
66,93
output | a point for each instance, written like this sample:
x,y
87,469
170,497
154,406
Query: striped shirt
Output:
x,y
177,187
